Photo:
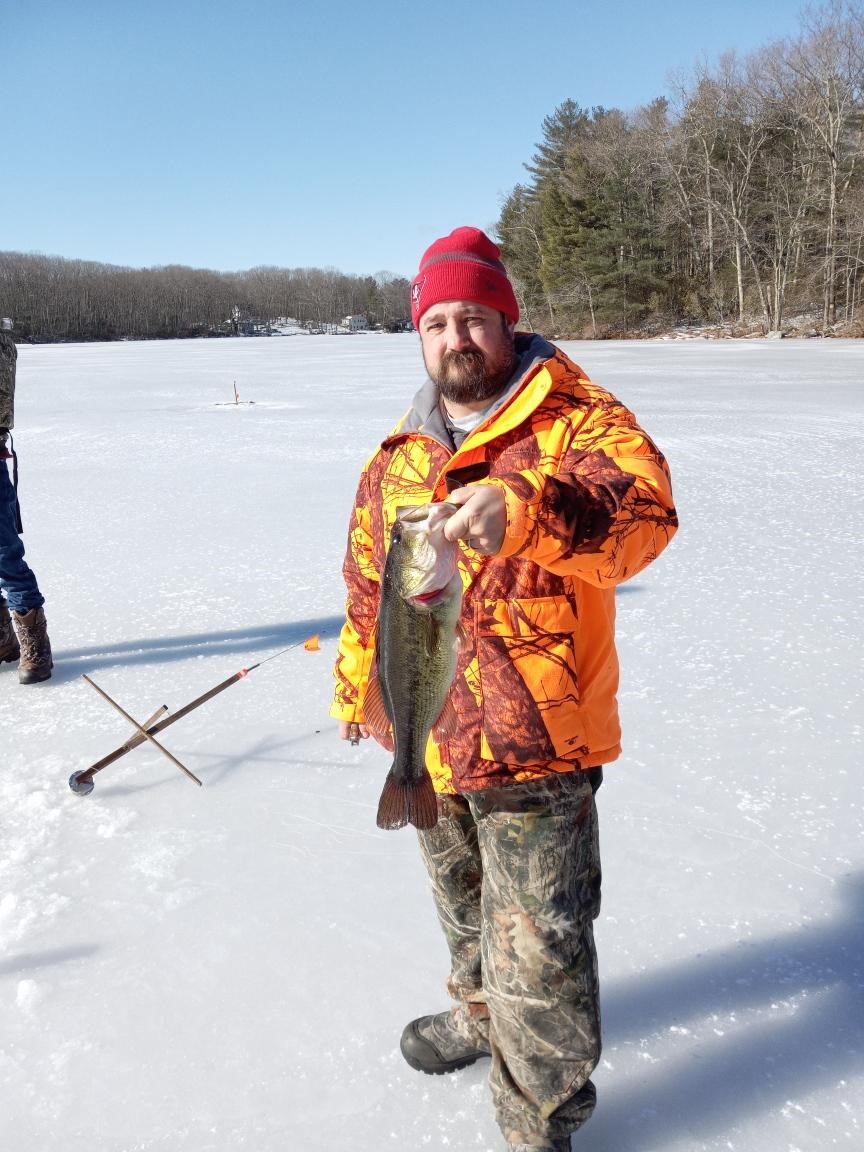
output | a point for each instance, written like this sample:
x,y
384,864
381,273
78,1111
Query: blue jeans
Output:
x,y
16,579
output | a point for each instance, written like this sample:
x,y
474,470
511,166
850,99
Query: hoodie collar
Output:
x,y
425,413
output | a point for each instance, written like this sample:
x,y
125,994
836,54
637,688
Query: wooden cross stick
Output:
x,y
142,731
148,723
82,782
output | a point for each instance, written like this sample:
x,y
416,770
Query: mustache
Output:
x,y
468,357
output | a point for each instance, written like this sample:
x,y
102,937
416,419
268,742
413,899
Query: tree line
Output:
x,y
740,196
51,298
737,200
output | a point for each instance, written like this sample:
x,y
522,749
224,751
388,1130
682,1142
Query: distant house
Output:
x,y
240,325
252,326
355,323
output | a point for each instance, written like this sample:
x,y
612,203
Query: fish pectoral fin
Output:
x,y
447,724
375,713
385,739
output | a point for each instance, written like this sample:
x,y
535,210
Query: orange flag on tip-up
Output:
x,y
312,645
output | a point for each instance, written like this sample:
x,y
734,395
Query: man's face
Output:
x,y
467,349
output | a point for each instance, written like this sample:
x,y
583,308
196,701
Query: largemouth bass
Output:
x,y
415,660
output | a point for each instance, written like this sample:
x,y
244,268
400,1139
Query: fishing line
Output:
x,y
81,783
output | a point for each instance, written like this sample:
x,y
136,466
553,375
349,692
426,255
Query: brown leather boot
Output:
x,y
36,662
9,648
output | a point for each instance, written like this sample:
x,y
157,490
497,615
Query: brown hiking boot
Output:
x,y
36,662
9,647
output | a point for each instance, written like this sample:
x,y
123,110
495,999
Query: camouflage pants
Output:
x,y
516,880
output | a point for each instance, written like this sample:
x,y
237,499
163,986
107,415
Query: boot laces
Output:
x,y
32,639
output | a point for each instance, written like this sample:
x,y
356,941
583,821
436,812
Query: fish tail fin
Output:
x,y
408,802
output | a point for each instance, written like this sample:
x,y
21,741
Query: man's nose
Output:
x,y
459,338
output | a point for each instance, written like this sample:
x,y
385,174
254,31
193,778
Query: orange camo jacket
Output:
x,y
589,505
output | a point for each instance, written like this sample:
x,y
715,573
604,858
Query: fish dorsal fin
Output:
x,y
447,724
375,713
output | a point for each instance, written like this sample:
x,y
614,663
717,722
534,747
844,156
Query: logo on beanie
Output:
x,y
416,289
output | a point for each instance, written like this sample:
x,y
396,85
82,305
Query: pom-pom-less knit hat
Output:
x,y
465,265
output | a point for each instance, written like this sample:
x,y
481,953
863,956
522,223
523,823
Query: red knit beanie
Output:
x,y
465,265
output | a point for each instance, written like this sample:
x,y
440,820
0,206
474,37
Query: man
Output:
x,y
28,641
561,496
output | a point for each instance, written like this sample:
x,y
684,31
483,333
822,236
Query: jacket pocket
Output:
x,y
529,683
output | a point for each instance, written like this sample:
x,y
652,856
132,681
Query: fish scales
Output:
x,y
416,656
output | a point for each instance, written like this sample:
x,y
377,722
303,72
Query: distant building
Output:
x,y
240,325
355,323
252,326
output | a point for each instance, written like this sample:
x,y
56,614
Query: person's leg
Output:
x,y
10,649
541,892
16,578
449,1040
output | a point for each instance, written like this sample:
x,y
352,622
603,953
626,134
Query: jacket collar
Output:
x,y
424,415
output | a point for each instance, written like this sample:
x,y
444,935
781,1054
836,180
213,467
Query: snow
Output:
x,y
229,967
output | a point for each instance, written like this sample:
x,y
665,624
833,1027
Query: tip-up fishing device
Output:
x,y
82,782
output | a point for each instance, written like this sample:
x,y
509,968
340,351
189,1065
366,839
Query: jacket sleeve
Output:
x,y
604,513
357,640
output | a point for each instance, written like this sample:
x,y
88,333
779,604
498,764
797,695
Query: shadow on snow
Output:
x,y
72,662
756,1066
28,961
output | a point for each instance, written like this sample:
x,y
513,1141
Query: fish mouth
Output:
x,y
428,599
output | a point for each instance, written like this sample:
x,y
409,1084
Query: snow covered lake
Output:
x,y
229,967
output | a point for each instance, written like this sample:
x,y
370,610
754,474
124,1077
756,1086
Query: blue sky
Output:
x,y
322,133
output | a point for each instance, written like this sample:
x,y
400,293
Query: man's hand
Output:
x,y
351,730
481,520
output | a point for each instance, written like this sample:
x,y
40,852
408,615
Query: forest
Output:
x,y
738,201
53,299
735,202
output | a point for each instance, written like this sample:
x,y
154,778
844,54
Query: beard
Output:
x,y
470,376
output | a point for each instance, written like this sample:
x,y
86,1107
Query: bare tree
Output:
x,y
819,78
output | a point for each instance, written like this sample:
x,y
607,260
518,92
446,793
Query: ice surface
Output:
x,y
213,969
